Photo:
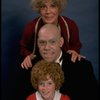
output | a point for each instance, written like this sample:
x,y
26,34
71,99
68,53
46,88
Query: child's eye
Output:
x,y
41,83
50,83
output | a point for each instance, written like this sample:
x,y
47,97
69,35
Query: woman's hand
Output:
x,y
27,63
75,55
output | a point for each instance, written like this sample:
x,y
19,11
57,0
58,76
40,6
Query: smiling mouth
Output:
x,y
47,55
48,18
45,93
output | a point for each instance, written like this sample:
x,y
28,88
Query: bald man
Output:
x,y
80,82
47,30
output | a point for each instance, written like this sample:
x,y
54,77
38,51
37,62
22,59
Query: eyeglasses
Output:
x,y
49,42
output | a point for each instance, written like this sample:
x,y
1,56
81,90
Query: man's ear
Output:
x,y
61,41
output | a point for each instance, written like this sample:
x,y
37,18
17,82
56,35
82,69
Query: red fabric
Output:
x,y
74,42
64,97
27,41
33,97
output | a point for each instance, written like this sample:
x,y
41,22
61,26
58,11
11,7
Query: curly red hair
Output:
x,y
42,69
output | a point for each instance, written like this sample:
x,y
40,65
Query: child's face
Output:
x,y
47,89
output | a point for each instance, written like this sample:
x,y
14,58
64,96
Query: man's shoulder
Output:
x,y
84,61
67,58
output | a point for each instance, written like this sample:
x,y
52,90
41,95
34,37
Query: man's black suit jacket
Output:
x,y
80,82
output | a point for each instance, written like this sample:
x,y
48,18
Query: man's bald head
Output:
x,y
50,29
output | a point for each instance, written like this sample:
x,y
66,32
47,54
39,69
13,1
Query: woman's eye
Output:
x,y
43,6
53,5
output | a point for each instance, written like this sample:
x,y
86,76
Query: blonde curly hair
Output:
x,y
36,4
42,69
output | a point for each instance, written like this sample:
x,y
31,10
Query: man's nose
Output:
x,y
47,45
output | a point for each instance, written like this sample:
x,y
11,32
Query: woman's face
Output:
x,y
49,12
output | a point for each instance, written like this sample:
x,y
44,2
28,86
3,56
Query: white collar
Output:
x,y
58,60
56,97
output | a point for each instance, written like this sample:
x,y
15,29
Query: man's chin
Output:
x,y
48,59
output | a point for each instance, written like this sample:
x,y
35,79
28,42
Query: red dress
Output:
x,y
69,31
33,97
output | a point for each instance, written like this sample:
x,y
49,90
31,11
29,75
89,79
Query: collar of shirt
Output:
x,y
59,60
56,97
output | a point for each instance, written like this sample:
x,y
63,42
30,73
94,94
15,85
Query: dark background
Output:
x,y
14,16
